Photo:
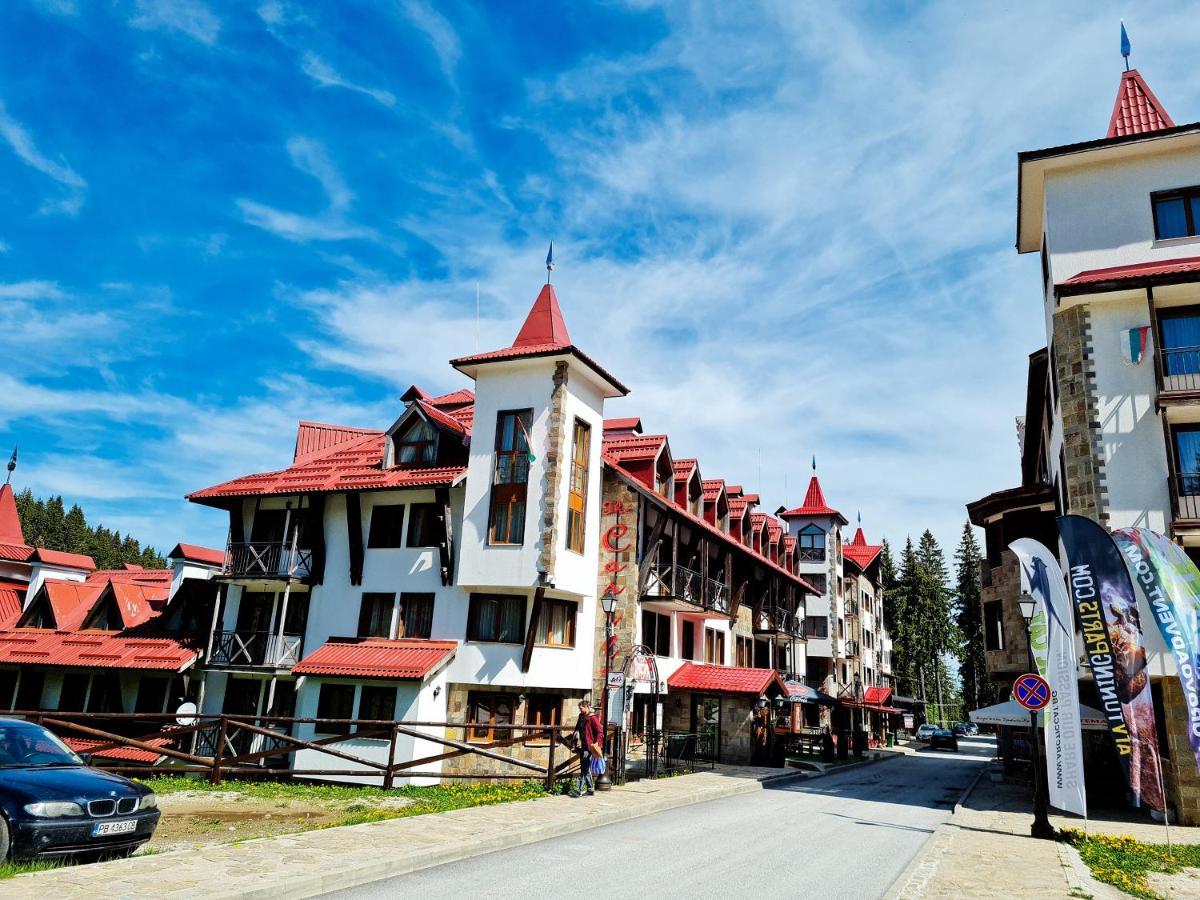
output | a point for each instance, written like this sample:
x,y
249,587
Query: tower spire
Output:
x,y
1125,44
12,464
549,261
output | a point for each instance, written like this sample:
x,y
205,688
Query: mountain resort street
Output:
x,y
660,448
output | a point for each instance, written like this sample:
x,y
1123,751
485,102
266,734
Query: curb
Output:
x,y
117,882
810,776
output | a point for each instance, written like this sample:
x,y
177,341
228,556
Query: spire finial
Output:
x,y
860,518
549,261
12,464
1125,44
814,464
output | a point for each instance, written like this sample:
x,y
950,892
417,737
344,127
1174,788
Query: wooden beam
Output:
x,y
650,553
446,536
531,635
354,532
316,529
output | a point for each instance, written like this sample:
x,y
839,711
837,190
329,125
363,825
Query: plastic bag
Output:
x,y
598,765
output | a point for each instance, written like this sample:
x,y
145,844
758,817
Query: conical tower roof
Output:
x,y
1137,110
544,326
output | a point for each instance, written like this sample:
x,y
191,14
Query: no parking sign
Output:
x,y
1032,691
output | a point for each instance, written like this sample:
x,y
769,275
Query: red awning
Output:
x,y
400,660
724,680
877,695
1185,268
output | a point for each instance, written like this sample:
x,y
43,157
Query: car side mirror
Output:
x,y
86,757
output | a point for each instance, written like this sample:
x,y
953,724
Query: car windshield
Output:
x,y
25,745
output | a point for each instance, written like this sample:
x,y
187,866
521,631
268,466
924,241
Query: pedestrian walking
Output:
x,y
589,737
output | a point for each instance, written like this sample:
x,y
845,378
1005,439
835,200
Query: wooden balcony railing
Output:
x,y
811,554
1179,368
852,648
689,586
255,650
1185,496
267,559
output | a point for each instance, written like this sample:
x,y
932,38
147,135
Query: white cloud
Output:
x,y
190,17
438,31
21,142
31,290
58,7
325,75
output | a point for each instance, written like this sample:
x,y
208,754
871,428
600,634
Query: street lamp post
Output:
x,y
1041,827
609,604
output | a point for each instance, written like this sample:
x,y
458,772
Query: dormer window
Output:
x,y
664,477
417,445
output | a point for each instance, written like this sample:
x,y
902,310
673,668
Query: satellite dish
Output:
x,y
186,714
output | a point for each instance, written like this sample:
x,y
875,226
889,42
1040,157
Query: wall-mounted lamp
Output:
x,y
437,689
520,699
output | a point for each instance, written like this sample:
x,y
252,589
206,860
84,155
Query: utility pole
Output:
x,y
937,671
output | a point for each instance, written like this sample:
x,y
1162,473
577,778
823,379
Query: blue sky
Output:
x,y
788,227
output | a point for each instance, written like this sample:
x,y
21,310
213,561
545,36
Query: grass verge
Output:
x,y
1124,862
9,869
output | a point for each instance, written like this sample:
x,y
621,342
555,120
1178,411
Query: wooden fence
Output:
x,y
225,746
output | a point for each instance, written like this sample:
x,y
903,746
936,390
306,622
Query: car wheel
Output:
x,y
5,840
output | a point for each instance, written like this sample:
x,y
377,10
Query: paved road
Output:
x,y
845,835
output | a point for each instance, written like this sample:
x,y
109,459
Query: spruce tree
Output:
x,y
47,523
976,688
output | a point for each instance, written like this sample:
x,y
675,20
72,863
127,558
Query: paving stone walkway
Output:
x,y
315,862
986,851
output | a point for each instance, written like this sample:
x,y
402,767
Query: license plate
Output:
x,y
124,826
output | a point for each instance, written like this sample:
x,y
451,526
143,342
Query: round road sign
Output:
x,y
1032,691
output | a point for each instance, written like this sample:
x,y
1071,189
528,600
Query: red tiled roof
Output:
x,y
723,679
683,467
877,695
124,754
789,543
15,552
862,555
531,352
1178,266
774,529
545,323
1136,110
630,424
461,397
138,603
11,535
634,447
737,506
196,553
149,577
353,466
12,599
712,488
441,419
65,560
314,439
69,601
814,504
399,660
859,539
94,650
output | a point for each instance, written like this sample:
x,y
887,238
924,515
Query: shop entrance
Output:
x,y
706,724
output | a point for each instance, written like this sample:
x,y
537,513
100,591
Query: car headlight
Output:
x,y
54,809
149,801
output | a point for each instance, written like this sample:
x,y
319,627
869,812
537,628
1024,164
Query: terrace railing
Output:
x,y
1180,368
267,559
1185,495
675,583
811,554
255,650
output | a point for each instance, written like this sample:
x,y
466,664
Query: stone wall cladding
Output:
x,y
1005,586
618,506
1083,451
554,451
1182,779
456,711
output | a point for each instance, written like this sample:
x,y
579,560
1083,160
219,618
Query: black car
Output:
x,y
52,805
943,739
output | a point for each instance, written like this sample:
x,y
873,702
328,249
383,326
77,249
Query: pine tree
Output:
x,y
976,688
47,523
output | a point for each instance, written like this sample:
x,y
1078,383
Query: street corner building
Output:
x,y
454,568
1111,429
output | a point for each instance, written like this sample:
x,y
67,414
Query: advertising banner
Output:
x,y
1112,636
1171,583
1042,578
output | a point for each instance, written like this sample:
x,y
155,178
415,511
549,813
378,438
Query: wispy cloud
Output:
x,y
190,17
436,28
31,290
325,75
22,144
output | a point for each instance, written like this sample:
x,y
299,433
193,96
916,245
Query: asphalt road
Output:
x,y
844,835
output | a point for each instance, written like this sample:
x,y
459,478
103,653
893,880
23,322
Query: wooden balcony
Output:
x,y
267,560
810,554
255,650
1185,498
687,589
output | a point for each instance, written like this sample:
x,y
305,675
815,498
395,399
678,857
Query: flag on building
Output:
x,y
1134,342
1170,582
1042,579
1112,637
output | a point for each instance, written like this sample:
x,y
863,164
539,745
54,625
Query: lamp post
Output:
x,y
609,604
1041,827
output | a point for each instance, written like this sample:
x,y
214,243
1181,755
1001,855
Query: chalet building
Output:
x,y
1112,423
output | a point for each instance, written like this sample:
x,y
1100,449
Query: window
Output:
x,y
416,616
993,625
510,482
817,626
811,543
714,647
485,711
577,498
1176,213
542,710
743,651
336,701
556,627
375,615
105,693
29,689
151,695
656,632
496,617
423,525
1187,458
1179,337
387,527
687,641
418,445
377,701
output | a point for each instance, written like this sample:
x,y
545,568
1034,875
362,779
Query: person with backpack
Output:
x,y
589,738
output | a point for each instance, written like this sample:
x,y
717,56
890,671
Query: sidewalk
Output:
x,y
985,849
314,862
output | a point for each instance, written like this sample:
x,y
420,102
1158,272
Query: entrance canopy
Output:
x,y
799,692
1014,714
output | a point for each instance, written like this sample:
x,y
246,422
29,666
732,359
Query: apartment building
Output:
x,y
1112,421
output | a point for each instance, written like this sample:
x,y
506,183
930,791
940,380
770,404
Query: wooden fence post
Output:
x,y
218,753
550,763
389,775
